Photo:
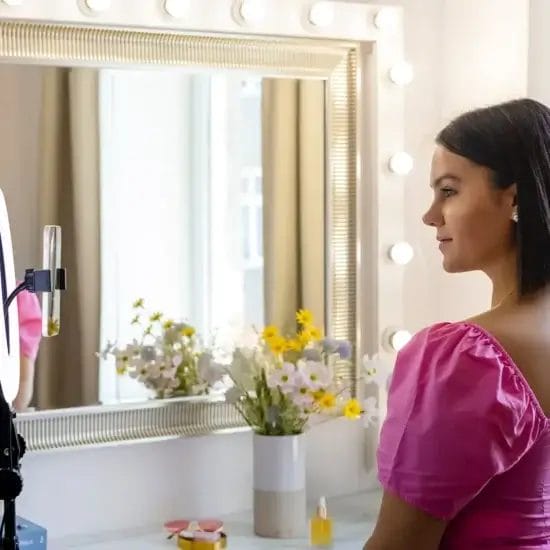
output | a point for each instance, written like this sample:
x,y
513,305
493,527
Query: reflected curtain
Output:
x,y
293,158
67,368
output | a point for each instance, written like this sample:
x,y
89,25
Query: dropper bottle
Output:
x,y
321,527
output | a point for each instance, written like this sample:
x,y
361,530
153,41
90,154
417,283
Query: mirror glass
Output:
x,y
198,197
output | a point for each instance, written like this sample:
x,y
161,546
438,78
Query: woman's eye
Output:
x,y
447,192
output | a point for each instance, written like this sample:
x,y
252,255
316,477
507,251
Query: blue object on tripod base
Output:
x,y
31,536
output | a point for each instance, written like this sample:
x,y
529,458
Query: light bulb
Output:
x,y
252,11
321,14
401,163
402,73
399,339
98,5
401,253
385,19
176,8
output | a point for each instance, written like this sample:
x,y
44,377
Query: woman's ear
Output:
x,y
512,195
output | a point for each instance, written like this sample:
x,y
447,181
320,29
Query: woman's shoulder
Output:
x,y
458,336
465,358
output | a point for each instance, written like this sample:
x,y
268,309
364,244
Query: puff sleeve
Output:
x,y
459,413
30,324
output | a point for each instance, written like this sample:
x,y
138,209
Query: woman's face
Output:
x,y
473,218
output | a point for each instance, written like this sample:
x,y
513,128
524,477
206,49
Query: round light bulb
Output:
x,y
401,253
321,14
385,19
402,73
252,11
401,163
176,8
98,5
12,2
399,339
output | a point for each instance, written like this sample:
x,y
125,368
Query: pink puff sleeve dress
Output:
x,y
465,440
30,324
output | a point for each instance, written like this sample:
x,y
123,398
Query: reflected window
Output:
x,y
181,204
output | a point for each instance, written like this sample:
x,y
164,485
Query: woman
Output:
x,y
464,453
30,334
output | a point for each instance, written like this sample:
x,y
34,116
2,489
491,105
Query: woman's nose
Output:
x,y
430,218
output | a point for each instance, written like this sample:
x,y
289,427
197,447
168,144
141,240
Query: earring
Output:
x,y
515,216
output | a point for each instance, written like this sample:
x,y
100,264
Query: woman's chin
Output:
x,y
453,267
450,266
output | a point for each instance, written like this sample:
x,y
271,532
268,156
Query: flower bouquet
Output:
x,y
285,379
167,357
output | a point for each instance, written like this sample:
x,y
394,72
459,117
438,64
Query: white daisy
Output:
x,y
315,373
376,371
284,378
210,371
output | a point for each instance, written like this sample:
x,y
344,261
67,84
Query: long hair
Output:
x,y
512,139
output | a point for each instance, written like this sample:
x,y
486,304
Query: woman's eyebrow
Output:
x,y
438,181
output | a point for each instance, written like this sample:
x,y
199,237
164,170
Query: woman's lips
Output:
x,y
443,242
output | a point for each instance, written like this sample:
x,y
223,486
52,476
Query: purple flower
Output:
x,y
330,345
341,347
344,349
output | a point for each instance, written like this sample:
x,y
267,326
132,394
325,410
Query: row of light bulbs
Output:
x,y
401,164
250,12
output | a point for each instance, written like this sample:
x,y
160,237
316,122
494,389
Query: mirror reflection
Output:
x,y
197,195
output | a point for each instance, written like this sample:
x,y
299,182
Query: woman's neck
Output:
x,y
505,284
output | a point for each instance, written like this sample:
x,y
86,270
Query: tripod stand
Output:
x,y
12,449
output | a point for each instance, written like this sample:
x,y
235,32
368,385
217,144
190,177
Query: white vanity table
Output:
x,y
353,516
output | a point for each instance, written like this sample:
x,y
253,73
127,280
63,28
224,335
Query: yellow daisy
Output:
x,y
304,317
327,401
317,395
167,324
188,331
293,345
304,337
271,331
155,317
277,345
352,409
121,370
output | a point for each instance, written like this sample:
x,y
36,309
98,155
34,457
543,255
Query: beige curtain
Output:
x,y
293,149
67,368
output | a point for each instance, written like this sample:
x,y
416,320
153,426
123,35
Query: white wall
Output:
x,y
539,51
138,485
466,54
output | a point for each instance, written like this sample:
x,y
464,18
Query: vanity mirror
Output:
x,y
167,197
213,175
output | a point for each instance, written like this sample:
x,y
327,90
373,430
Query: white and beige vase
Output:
x,y
279,486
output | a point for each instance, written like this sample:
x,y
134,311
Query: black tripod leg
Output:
x,y
10,541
